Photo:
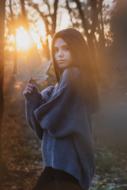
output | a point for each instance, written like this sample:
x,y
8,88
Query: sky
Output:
x,y
106,1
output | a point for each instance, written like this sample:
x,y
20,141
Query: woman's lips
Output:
x,y
60,60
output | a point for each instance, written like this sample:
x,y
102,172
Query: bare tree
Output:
x,y
49,18
24,20
91,16
119,45
13,31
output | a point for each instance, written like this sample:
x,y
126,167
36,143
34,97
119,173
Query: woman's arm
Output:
x,y
34,99
54,113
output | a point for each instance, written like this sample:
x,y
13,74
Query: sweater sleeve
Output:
x,y
54,114
31,103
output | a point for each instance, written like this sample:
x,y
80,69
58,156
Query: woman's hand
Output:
x,y
30,89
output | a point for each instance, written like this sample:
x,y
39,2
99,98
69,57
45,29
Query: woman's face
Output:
x,y
62,54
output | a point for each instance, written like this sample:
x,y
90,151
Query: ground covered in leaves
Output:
x,y
22,162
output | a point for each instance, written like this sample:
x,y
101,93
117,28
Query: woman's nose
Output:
x,y
60,53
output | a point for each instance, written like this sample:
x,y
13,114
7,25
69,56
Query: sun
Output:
x,y
23,41
27,39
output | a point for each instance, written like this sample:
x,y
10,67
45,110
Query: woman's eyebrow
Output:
x,y
64,45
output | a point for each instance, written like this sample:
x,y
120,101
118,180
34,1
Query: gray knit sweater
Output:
x,y
61,120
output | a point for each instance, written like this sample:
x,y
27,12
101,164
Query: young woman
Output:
x,y
61,116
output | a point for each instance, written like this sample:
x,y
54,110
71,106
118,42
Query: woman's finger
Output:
x,y
27,91
31,85
30,89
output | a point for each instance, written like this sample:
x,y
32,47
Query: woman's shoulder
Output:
x,y
70,77
74,71
71,74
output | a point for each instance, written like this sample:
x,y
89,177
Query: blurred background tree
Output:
x,y
2,61
119,45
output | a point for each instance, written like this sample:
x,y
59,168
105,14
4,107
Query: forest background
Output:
x,y
26,31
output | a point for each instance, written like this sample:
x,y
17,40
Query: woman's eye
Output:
x,y
65,48
62,48
55,49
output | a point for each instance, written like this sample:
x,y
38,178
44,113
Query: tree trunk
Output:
x,y
2,20
54,16
13,31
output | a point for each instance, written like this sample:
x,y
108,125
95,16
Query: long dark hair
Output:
x,y
80,56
